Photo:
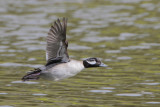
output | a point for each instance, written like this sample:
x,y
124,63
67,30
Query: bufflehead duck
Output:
x,y
59,66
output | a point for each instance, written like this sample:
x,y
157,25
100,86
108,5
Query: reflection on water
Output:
x,y
123,33
129,94
27,82
39,94
19,65
100,91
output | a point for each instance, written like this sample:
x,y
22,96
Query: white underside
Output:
x,y
64,70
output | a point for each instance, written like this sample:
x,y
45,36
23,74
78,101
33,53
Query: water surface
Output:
x,y
125,34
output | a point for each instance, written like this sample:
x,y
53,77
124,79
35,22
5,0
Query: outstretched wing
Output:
x,y
56,42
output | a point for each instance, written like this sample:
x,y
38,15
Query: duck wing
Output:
x,y
56,50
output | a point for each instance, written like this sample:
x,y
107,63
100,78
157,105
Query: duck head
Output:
x,y
93,62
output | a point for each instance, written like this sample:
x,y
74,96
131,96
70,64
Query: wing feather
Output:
x,y
56,41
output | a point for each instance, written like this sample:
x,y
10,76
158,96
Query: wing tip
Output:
x,y
65,17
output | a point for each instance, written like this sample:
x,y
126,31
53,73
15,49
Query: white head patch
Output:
x,y
92,62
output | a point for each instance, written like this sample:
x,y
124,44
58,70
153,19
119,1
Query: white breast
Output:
x,y
64,70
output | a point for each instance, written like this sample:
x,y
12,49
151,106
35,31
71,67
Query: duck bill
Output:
x,y
102,65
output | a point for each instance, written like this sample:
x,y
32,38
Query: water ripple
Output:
x,y
113,51
101,91
134,47
96,39
26,82
153,102
6,106
129,94
78,47
126,1
149,83
39,94
124,58
19,65
3,93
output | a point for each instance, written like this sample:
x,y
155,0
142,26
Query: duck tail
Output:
x,y
33,75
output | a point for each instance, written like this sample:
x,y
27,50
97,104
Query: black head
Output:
x,y
93,62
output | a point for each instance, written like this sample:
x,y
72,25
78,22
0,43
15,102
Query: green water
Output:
x,y
125,34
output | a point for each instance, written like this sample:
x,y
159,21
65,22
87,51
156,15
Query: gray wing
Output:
x,y
56,42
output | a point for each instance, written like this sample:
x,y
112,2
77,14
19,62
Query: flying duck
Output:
x,y
59,66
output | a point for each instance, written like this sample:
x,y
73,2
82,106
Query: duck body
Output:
x,y
63,70
59,66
